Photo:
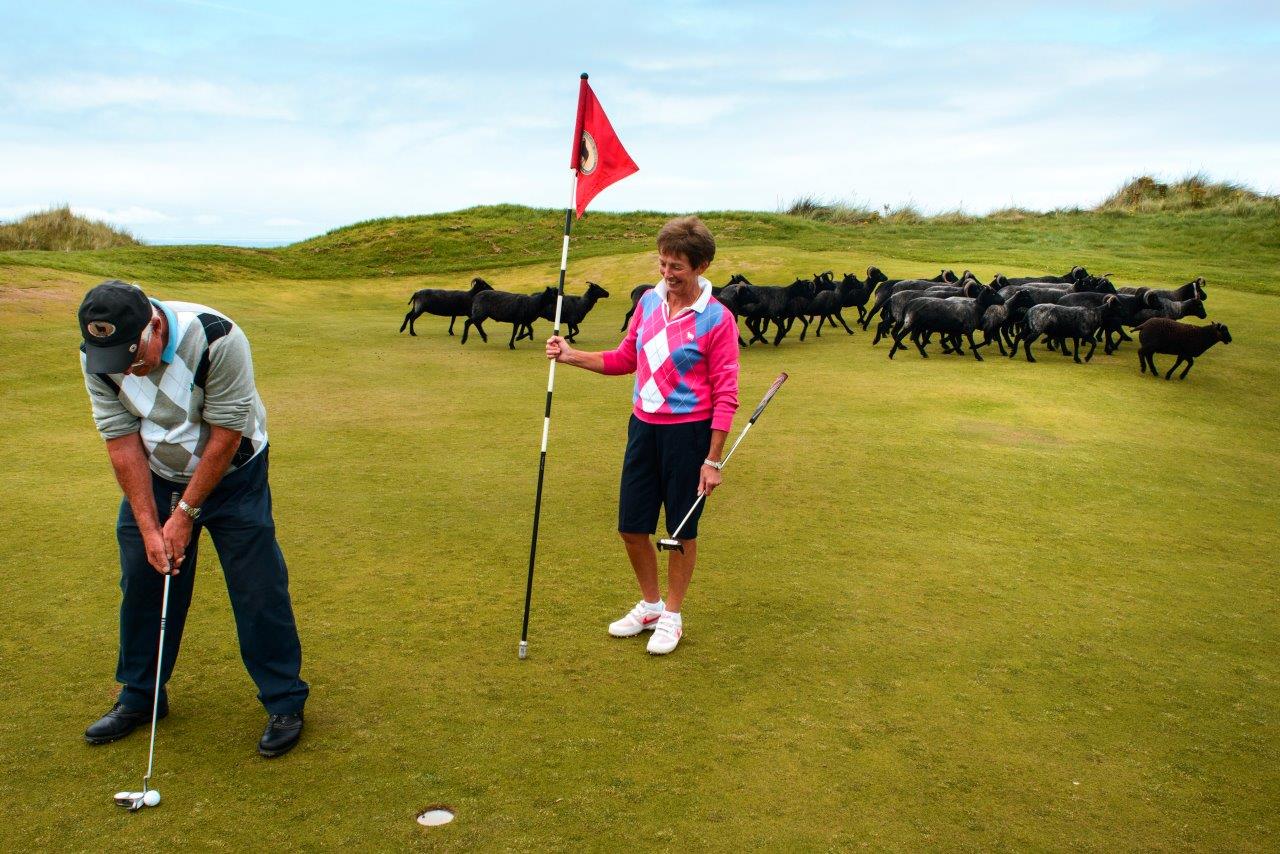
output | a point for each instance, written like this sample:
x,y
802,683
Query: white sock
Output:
x,y
655,606
675,615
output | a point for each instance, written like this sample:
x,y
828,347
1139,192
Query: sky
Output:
x,y
252,120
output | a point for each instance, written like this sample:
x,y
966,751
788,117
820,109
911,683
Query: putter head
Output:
x,y
667,544
132,801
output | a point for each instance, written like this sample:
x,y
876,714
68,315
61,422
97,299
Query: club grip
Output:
x,y
768,396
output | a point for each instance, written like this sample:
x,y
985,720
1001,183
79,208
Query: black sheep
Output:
x,y
450,304
786,304
573,312
1128,305
1075,274
1060,322
1171,338
1172,309
739,297
755,312
955,316
888,287
636,292
904,292
857,293
520,310
997,322
825,306
1191,290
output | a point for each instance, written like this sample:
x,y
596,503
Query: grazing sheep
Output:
x,y
573,312
955,316
520,310
450,304
1061,322
1171,338
1172,309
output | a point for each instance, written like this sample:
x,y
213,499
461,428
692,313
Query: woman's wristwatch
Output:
x,y
713,463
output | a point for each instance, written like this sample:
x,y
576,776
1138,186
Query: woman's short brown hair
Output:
x,y
687,236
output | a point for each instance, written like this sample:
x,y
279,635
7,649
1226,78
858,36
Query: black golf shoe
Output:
x,y
119,722
281,735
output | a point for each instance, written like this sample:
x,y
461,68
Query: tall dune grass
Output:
x,y
59,229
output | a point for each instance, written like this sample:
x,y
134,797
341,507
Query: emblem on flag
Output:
x,y
590,155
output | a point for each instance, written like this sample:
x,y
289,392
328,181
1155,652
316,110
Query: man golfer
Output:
x,y
173,396
682,345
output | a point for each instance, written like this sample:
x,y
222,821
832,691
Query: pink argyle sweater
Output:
x,y
686,367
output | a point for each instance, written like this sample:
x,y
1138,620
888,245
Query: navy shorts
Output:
x,y
662,467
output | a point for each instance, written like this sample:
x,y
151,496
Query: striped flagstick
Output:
x,y
597,160
546,418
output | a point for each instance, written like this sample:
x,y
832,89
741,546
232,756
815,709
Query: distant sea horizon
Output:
x,y
244,242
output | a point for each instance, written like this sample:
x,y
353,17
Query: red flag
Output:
x,y
598,154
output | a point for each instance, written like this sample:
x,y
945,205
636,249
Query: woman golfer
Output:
x,y
682,345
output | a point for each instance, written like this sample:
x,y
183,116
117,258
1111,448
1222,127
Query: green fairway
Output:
x,y
940,604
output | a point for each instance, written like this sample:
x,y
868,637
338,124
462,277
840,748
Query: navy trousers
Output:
x,y
237,515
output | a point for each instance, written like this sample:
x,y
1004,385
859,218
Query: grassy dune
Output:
x,y
1237,249
941,604
58,229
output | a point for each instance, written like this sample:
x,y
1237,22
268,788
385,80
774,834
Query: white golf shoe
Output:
x,y
667,634
642,618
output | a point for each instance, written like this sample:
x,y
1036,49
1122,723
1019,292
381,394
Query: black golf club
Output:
x,y
672,543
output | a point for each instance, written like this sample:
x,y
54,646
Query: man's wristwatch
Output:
x,y
193,512
714,464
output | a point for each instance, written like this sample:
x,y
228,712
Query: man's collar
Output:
x,y
700,304
171,326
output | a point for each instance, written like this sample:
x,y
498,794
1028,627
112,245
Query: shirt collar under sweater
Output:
x,y
699,305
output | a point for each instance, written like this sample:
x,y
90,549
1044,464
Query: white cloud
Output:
x,y
279,221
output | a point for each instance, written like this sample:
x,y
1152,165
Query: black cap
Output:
x,y
112,318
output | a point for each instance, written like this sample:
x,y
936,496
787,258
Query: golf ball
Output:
x,y
151,798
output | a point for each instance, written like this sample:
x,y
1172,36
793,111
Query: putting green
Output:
x,y
940,604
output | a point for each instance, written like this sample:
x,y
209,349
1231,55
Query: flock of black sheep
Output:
x,y
1067,312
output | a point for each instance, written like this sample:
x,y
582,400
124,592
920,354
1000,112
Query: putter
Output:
x,y
134,801
672,543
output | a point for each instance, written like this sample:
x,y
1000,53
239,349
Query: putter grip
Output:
x,y
768,395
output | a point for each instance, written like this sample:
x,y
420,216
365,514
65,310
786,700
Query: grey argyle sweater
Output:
x,y
205,377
